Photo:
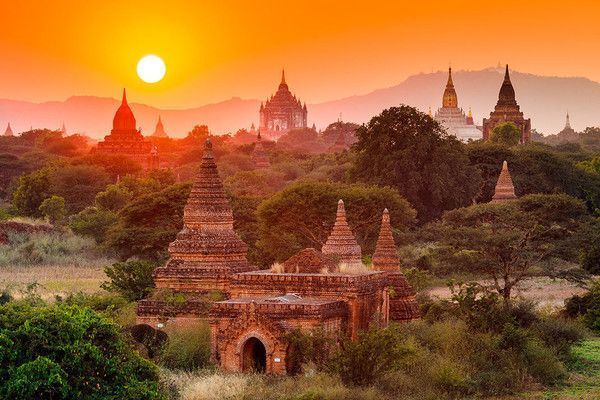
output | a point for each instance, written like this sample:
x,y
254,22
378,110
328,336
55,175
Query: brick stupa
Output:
x,y
505,190
259,155
207,250
403,306
341,243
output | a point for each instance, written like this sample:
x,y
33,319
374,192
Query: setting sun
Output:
x,y
151,69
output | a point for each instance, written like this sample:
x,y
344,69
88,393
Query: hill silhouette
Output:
x,y
544,99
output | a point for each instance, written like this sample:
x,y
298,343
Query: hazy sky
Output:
x,y
217,50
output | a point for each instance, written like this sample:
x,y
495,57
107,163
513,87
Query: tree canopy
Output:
x,y
302,215
408,150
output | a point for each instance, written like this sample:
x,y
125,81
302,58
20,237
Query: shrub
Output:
x,y
131,279
93,222
587,307
559,334
188,348
376,352
53,208
61,351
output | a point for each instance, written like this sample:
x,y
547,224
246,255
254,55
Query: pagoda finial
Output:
x,y
568,124
124,100
258,136
283,76
450,99
507,74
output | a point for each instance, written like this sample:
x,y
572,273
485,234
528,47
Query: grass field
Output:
x,y
52,280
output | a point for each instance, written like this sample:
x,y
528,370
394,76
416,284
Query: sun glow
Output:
x,y
151,68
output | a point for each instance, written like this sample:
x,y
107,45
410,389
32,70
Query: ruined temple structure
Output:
x,y
126,139
259,155
505,190
568,134
507,110
282,112
8,131
453,118
250,326
159,130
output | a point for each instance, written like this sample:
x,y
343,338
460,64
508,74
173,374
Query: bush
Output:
x,y
131,279
188,348
68,352
587,307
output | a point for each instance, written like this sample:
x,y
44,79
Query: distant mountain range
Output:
x,y
544,99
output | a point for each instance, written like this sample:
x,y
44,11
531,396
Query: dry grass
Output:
x,y
52,279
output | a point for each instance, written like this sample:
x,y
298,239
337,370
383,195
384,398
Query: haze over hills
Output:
x,y
543,99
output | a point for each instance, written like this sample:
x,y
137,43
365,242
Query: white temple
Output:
x,y
453,118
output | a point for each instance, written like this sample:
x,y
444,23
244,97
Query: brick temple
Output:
x,y
507,110
505,189
315,290
126,139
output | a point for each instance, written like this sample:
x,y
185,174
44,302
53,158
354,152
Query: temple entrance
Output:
x,y
254,356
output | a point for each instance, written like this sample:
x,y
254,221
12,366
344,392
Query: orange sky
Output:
x,y
216,50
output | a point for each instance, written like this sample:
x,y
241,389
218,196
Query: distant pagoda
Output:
x,y
505,189
126,139
282,112
568,134
340,143
453,118
259,155
159,131
8,131
207,250
403,305
507,110
341,243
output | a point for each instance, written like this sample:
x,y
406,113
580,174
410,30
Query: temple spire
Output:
x,y
568,124
8,131
341,243
124,100
506,96
283,76
450,99
386,257
505,190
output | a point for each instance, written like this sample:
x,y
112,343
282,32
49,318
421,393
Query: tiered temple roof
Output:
x,y
259,155
207,249
341,243
505,190
282,112
507,110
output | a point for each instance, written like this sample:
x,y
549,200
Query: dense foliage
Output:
x,y
67,352
409,151
302,215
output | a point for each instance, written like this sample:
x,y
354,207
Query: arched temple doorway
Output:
x,y
254,356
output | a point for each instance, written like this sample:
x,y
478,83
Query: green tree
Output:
x,y
131,279
591,166
507,134
94,222
53,208
31,191
113,198
78,185
508,242
68,352
411,152
149,223
302,215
